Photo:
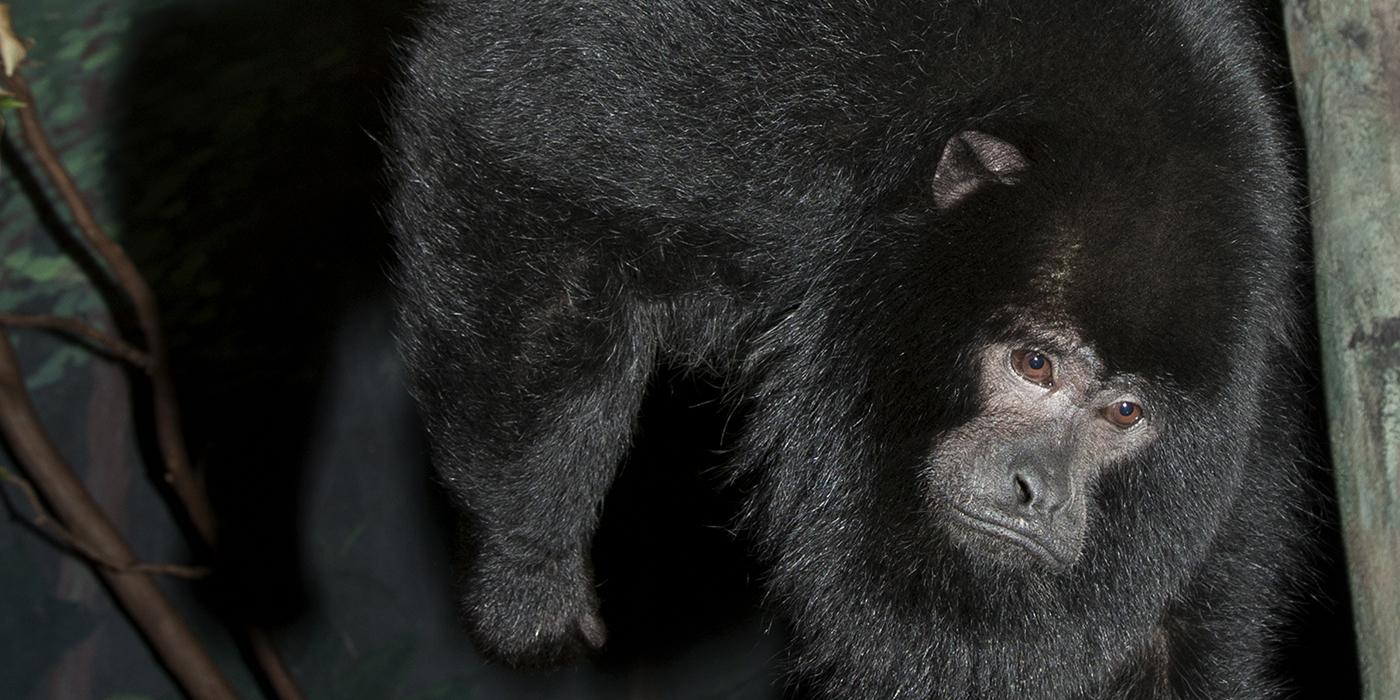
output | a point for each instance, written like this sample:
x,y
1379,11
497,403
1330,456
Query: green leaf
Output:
x,y
41,268
53,368
12,300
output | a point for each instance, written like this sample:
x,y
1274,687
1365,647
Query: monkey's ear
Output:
x,y
971,160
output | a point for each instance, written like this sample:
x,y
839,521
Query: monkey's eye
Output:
x,y
1034,366
1124,414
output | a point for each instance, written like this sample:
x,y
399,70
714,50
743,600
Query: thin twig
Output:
x,y
178,471
73,328
185,571
179,649
48,524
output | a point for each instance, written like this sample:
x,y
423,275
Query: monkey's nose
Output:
x,y
1032,493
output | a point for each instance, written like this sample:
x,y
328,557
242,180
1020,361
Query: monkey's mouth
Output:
x,y
1007,531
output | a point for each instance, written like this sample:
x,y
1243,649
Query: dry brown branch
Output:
x,y
47,523
88,335
178,471
137,592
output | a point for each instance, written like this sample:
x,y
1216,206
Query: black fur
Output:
x,y
585,189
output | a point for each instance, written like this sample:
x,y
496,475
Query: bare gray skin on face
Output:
x,y
1015,479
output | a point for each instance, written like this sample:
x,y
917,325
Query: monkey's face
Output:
x,y
1013,483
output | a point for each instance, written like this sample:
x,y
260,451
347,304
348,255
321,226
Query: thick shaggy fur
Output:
x,y
586,189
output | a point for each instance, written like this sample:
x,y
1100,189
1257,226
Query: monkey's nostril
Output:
x,y
1024,495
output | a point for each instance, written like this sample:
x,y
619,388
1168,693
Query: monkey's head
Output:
x,y
1040,371
1013,481
1045,366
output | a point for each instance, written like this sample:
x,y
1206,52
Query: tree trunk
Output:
x,y
1346,59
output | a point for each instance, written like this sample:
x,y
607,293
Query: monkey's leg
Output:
x,y
530,408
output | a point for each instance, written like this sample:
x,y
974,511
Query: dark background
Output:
x,y
230,146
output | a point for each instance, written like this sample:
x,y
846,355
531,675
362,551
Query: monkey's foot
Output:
x,y
535,614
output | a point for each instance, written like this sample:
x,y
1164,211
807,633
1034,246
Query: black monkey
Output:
x,y
1007,286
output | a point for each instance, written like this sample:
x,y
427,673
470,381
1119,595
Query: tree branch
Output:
x,y
46,522
88,335
152,612
178,470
